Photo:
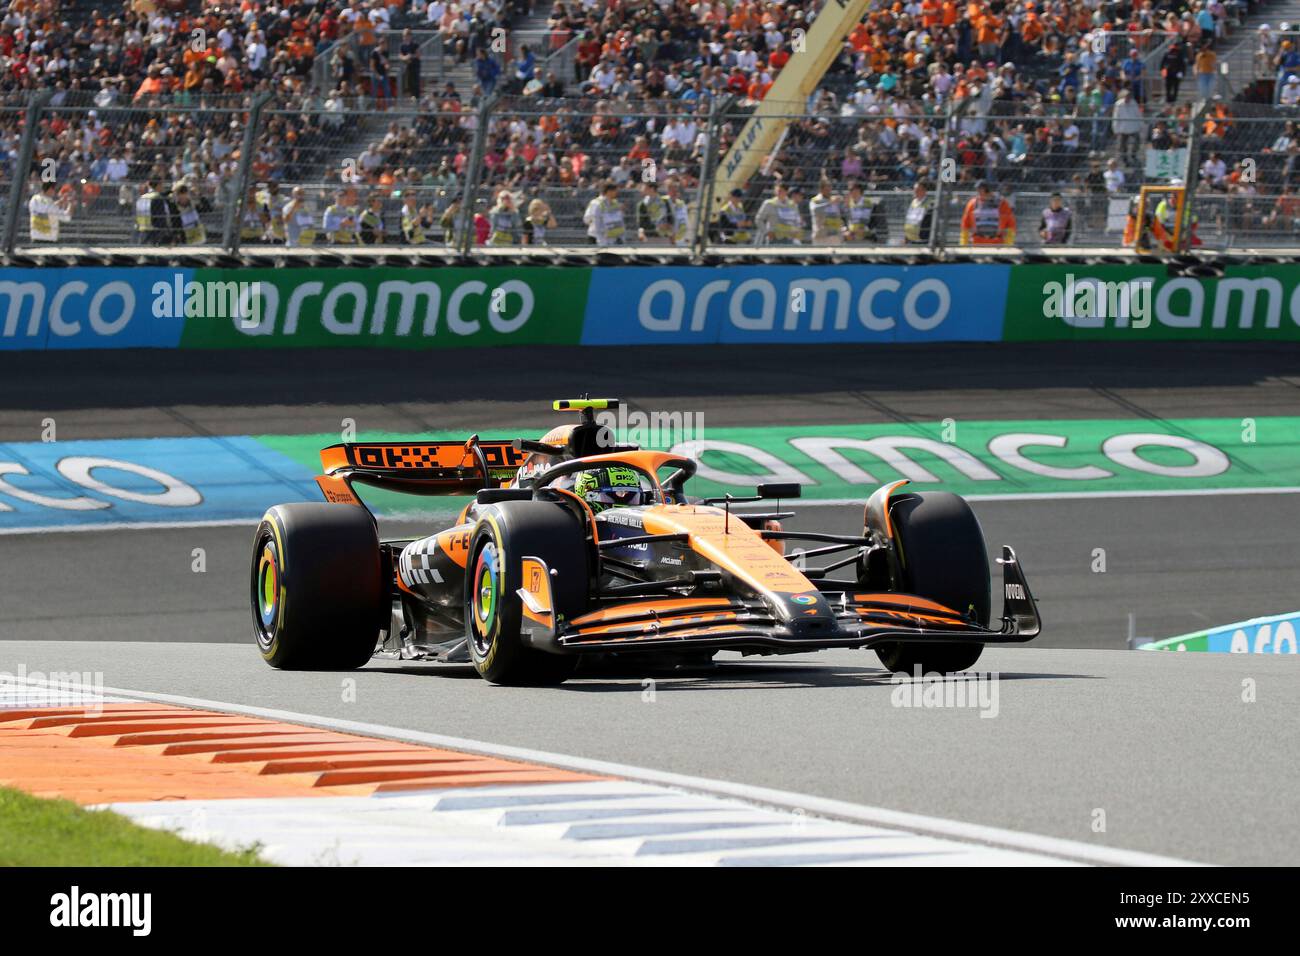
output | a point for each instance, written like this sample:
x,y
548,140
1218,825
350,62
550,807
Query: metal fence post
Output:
x,y
936,220
704,202
230,231
1192,165
23,167
466,238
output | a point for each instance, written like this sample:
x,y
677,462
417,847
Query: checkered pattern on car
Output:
x,y
416,563
400,456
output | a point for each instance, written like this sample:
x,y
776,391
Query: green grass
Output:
x,y
40,832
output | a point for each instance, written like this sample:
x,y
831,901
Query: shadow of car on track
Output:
x,y
725,675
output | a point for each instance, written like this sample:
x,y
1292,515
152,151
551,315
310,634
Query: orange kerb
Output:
x,y
144,751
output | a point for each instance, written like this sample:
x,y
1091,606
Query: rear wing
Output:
x,y
418,468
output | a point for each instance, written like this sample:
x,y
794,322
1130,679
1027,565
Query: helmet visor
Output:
x,y
617,495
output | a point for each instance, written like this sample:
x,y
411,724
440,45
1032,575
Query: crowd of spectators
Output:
x,y
1055,93
159,91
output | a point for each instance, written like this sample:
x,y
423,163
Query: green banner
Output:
x,y
1009,458
1122,303
417,308
1186,642
979,458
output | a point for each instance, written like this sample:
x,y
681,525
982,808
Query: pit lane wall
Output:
x,y
449,307
1259,635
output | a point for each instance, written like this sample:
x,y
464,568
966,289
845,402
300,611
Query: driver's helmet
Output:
x,y
612,487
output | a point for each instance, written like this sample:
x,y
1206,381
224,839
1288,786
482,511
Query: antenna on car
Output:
x,y
587,406
726,521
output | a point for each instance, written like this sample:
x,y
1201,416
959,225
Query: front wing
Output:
x,y
861,619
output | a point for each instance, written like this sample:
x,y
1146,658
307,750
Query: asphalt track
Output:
x,y
147,394
1162,743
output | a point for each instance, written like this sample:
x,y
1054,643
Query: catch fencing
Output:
x,y
434,169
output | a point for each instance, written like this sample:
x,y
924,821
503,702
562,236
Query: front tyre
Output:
x,y
493,608
944,558
317,587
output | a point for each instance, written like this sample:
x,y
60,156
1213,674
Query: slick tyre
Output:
x,y
493,576
944,558
318,593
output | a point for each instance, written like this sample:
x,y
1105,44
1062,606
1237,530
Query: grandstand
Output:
x,y
1032,97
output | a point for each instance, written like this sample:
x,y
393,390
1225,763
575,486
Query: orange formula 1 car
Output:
x,y
574,545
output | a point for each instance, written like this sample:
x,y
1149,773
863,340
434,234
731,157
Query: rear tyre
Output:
x,y
493,608
317,587
944,558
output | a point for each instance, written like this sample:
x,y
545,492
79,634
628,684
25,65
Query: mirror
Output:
x,y
787,490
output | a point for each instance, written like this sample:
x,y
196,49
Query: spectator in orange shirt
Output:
x,y
152,84
988,219
1031,31
989,35
1205,66
743,18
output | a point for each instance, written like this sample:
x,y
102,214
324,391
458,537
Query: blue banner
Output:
x,y
158,480
796,304
1261,635
147,307
92,308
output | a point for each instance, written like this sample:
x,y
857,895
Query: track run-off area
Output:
x,y
1148,490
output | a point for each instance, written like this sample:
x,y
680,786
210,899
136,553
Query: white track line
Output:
x,y
796,503
761,796
593,823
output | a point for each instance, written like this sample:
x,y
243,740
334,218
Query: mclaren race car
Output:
x,y
575,546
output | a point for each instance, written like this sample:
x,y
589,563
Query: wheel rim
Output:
x,y
266,592
486,596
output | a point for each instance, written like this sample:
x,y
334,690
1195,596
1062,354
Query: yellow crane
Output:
x,y
813,54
